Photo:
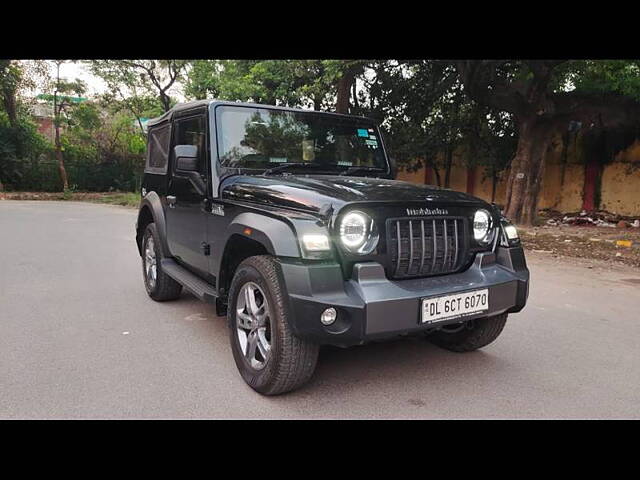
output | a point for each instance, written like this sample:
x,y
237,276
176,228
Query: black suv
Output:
x,y
290,222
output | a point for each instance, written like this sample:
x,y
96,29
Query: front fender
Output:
x,y
277,236
152,203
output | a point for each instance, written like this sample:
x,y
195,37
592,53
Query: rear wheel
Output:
x,y
159,285
269,357
470,335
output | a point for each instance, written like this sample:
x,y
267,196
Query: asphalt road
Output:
x,y
79,338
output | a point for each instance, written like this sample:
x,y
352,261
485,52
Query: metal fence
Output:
x,y
43,175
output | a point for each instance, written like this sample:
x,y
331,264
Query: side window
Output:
x,y
158,149
191,131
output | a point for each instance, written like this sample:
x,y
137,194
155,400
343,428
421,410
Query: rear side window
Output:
x,y
158,149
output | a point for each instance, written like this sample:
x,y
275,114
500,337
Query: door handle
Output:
x,y
171,201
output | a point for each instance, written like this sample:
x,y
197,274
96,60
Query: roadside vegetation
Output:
x,y
503,115
125,199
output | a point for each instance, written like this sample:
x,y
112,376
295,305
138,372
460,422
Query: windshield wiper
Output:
x,y
287,166
354,170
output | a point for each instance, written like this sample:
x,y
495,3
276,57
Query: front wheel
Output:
x,y
269,357
159,285
470,335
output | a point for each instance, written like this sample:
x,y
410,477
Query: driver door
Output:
x,y
185,215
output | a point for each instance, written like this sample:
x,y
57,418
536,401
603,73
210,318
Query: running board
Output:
x,y
201,289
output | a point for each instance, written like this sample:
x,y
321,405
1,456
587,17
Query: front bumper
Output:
x,y
371,307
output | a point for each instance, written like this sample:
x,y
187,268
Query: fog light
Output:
x,y
328,316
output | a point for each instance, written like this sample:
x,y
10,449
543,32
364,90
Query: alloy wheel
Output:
x,y
253,325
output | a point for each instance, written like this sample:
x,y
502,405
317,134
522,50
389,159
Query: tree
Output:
x,y
536,94
423,109
345,73
293,83
141,77
18,136
63,89
10,77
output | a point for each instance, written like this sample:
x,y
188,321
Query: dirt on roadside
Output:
x,y
613,245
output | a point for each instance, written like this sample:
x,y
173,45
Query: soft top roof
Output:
x,y
200,103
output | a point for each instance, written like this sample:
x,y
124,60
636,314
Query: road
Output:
x,y
79,338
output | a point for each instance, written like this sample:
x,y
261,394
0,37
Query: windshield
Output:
x,y
261,139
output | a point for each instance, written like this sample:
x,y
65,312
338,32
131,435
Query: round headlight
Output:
x,y
481,226
358,233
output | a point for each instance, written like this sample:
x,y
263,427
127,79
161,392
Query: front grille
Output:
x,y
425,246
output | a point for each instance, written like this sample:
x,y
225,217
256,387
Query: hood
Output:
x,y
312,193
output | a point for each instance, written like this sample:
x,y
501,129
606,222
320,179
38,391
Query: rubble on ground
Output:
x,y
581,235
597,218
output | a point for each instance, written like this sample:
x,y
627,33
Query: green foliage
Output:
x,y
605,76
421,105
17,143
126,199
294,83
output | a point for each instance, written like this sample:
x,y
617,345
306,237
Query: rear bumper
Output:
x,y
371,307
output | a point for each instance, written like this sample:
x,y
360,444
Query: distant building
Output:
x,y
42,113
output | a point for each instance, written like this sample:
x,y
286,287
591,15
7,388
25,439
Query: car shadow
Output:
x,y
403,368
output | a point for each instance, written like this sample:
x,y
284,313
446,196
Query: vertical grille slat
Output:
x,y
455,229
410,246
446,246
422,254
434,252
399,242
433,249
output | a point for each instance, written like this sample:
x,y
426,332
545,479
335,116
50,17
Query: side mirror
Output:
x,y
186,157
394,167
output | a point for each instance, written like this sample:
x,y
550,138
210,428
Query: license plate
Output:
x,y
447,307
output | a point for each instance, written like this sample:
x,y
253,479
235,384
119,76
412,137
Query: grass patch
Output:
x,y
126,199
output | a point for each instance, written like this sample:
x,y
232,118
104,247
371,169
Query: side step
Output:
x,y
201,289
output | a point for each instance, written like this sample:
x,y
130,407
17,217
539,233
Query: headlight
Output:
x,y
358,233
482,226
509,237
512,233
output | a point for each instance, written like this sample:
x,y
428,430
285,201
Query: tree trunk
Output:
x,y
166,101
144,134
344,92
10,106
494,184
355,95
60,158
447,166
527,169
57,110
437,174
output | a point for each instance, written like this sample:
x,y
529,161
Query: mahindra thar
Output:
x,y
291,223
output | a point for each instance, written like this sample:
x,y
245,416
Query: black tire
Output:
x,y
471,336
292,360
165,287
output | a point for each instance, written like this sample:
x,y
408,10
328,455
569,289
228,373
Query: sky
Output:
x,y
95,86
71,71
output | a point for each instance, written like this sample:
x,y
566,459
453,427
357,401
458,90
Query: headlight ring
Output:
x,y
358,232
482,227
